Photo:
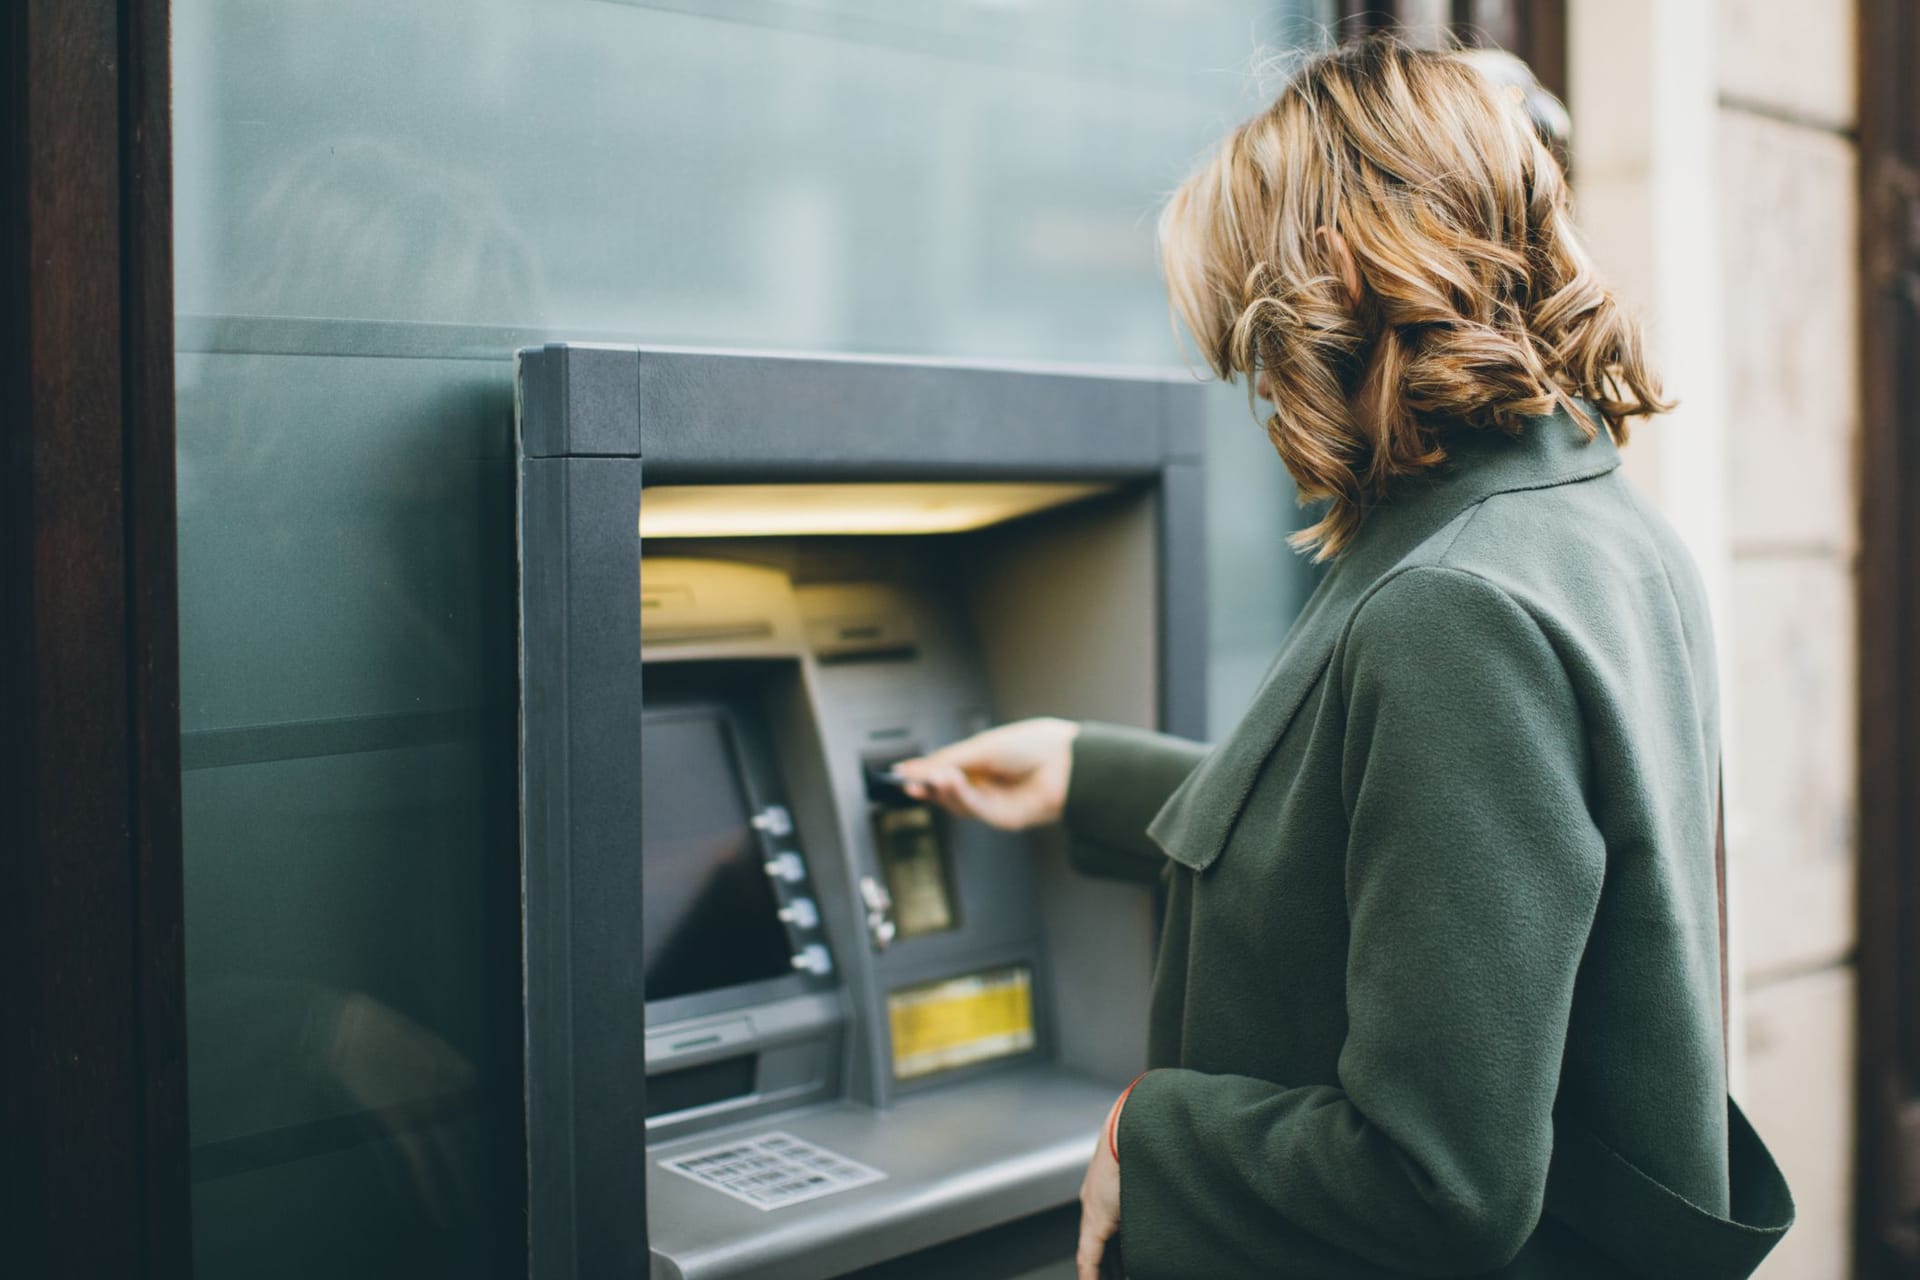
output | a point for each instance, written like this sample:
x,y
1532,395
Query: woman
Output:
x,y
1439,985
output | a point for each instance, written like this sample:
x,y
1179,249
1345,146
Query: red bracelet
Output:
x,y
1113,1125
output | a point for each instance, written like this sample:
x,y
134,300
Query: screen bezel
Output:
x,y
707,692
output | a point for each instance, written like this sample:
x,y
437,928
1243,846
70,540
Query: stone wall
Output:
x,y
1787,213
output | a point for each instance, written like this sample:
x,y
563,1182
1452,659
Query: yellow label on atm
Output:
x,y
960,1021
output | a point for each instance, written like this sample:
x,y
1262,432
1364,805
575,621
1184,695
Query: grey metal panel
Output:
x,y
1018,1140
580,733
751,416
578,400
1184,419
1066,612
544,864
603,765
1183,598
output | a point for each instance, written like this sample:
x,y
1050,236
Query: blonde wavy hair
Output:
x,y
1477,307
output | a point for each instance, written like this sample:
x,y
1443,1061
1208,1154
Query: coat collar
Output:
x,y
1199,817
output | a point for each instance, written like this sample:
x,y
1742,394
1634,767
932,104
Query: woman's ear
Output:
x,y
1334,245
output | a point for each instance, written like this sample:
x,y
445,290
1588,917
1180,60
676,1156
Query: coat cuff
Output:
x,y
1121,777
1151,1232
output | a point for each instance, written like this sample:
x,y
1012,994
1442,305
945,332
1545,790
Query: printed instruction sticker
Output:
x,y
772,1170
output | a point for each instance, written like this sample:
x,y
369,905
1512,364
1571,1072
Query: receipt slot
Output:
x,y
781,1019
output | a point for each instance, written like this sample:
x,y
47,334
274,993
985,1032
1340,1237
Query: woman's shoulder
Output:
x,y
1590,564
1591,547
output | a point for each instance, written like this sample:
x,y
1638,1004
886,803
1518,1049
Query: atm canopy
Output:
x,y
696,415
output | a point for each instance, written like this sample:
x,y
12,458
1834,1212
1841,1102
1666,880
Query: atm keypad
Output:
x,y
787,867
813,958
775,821
801,913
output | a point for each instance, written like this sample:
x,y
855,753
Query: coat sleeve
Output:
x,y
1120,779
1473,873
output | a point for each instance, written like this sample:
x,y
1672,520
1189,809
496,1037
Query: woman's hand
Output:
x,y
1100,1204
1012,777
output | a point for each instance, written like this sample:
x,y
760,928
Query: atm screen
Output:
x,y
709,915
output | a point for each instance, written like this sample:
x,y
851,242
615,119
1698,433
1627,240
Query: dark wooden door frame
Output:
x,y
1888,1196
1359,16
93,1102
1536,30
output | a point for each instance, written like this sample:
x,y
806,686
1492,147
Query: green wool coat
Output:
x,y
1438,991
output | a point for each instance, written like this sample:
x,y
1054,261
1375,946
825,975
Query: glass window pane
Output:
x,y
376,202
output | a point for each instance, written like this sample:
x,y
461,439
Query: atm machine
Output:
x,y
781,1020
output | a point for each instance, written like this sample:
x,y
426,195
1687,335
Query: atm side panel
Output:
x,y
580,760
1183,563
1183,599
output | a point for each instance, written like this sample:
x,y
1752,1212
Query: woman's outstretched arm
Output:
x,y
1104,781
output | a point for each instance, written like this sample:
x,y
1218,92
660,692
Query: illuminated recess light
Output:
x,y
763,510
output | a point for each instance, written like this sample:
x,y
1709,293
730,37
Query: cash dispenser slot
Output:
x,y
689,1089
861,1030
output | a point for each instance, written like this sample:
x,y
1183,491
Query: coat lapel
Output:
x,y
1198,819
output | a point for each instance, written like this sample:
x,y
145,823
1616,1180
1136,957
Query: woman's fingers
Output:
x,y
938,780
1011,777
919,778
1008,751
946,786
992,803
998,804
973,764
1086,1260
1096,1229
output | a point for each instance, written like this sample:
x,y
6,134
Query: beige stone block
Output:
x,y
1799,1094
1787,210
1792,56
1614,84
1614,219
1791,718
